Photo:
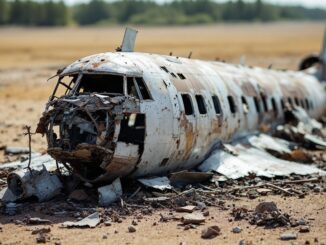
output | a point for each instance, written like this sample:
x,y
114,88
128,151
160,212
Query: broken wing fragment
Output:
x,y
251,160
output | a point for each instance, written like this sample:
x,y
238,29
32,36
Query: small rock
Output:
x,y
302,222
210,232
41,239
134,222
78,195
288,236
268,207
194,218
104,237
107,223
317,189
236,229
57,243
131,229
304,229
41,231
206,213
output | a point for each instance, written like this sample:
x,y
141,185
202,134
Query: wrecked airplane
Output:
x,y
136,114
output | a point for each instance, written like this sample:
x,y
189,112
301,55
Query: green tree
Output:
x,y
4,12
91,13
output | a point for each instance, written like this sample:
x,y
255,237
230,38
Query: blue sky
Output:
x,y
306,3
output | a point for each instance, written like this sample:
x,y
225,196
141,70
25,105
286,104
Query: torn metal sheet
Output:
x,y
251,160
160,183
90,221
41,184
317,142
109,193
269,143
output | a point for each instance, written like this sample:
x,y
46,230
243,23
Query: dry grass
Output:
x,y
44,47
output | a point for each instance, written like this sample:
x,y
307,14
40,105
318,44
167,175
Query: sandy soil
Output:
x,y
29,56
150,230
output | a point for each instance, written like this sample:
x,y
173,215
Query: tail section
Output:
x,y
317,61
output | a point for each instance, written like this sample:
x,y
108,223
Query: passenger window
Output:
x,y
131,88
143,89
217,105
231,104
263,98
283,104
181,76
245,105
257,104
164,69
274,106
296,100
302,103
187,104
201,104
307,104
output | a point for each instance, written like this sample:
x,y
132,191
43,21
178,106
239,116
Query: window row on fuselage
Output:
x,y
260,104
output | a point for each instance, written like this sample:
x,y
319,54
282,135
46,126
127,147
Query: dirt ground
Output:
x,y
150,230
29,56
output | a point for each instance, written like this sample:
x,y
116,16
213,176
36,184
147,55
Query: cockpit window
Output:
x,y
142,88
64,86
97,83
131,87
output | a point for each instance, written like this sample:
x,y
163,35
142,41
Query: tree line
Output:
x,y
146,12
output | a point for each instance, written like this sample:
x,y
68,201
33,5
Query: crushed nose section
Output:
x,y
90,134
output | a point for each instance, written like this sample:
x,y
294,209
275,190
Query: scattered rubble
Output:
x,y
90,221
41,230
304,229
288,236
194,218
110,193
37,221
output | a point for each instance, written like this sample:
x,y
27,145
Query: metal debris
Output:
x,y
110,193
193,218
186,209
16,150
27,183
160,183
37,163
90,221
288,236
261,163
38,221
